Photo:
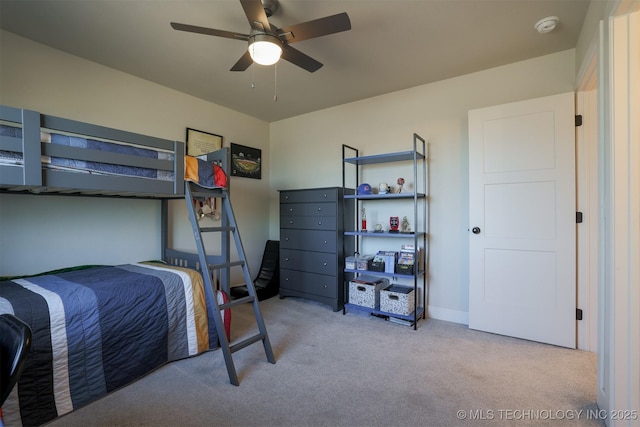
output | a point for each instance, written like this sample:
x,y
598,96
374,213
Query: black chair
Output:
x,y
15,343
267,283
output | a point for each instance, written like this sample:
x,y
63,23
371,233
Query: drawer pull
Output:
x,y
290,209
286,259
319,222
319,209
326,286
291,222
325,242
286,238
324,195
324,263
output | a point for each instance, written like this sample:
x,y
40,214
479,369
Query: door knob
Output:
x,y
475,230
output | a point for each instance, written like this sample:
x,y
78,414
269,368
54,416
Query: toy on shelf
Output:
x,y
394,223
405,227
364,220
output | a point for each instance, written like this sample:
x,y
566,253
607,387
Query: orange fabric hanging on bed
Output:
x,y
206,174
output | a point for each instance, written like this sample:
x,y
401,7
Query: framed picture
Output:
x,y
199,143
246,161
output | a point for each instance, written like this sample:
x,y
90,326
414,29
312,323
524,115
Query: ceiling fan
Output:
x,y
268,43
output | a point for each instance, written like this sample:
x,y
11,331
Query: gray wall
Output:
x,y
44,233
438,112
300,152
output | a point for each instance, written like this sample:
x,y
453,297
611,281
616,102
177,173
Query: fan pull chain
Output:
x,y
275,82
253,77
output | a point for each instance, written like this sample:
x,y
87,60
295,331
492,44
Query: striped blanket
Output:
x,y
98,329
205,174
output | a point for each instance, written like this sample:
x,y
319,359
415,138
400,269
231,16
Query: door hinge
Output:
x,y
578,120
578,314
578,217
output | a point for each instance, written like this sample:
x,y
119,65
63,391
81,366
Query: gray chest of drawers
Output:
x,y
312,244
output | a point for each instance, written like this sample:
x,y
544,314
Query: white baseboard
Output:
x,y
448,314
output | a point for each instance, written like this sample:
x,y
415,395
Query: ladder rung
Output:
x,y
206,194
211,229
226,264
247,342
210,264
235,302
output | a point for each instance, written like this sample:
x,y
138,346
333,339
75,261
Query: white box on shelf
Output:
x,y
397,299
365,291
350,263
363,262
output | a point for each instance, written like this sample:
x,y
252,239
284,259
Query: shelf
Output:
x,y
385,158
388,196
352,175
383,274
384,234
411,319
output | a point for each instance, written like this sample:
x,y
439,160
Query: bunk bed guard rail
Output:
x,y
44,153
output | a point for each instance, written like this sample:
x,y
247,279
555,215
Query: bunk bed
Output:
x,y
98,328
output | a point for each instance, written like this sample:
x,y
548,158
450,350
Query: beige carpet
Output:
x,y
355,370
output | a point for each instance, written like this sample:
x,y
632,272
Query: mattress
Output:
x,y
98,329
84,166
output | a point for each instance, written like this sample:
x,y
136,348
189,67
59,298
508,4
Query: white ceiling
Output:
x,y
392,45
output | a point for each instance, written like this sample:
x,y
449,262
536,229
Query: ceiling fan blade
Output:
x,y
209,31
300,59
316,28
243,63
256,15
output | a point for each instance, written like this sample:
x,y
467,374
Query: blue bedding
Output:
x,y
98,329
92,144
89,166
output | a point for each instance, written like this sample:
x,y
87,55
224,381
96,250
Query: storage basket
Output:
x,y
397,299
365,291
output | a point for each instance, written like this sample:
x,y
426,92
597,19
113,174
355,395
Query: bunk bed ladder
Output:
x,y
192,191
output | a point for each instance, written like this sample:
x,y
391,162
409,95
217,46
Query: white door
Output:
x,y
522,231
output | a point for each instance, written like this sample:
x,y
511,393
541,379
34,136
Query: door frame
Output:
x,y
619,232
587,203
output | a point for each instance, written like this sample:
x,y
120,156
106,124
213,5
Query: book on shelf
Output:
x,y
409,255
390,258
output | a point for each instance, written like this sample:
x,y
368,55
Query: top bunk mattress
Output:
x,y
84,166
42,154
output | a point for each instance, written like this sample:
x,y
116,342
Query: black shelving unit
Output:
x,y
352,165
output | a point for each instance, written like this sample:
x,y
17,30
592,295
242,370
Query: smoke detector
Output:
x,y
546,25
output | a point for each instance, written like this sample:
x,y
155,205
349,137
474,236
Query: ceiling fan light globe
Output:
x,y
263,50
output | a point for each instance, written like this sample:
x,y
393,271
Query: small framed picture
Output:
x,y
199,142
246,161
